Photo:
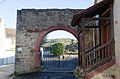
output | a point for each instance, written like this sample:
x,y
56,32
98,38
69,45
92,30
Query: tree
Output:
x,y
44,40
57,49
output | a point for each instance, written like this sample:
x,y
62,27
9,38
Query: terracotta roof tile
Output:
x,y
10,32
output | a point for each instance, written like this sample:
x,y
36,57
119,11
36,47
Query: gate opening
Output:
x,y
68,61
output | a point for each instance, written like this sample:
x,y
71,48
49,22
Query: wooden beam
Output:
x,y
106,12
100,47
79,54
103,61
83,48
83,44
100,69
112,31
111,21
100,18
92,26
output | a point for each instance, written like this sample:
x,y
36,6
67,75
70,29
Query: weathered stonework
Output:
x,y
111,73
32,26
117,30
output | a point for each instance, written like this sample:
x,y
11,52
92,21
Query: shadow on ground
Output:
x,y
45,75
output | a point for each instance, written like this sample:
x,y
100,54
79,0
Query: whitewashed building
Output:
x,y
7,44
10,39
2,37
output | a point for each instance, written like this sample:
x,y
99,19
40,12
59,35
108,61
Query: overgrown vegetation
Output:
x,y
57,49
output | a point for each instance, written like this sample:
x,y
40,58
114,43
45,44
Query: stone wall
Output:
x,y
31,25
117,30
111,73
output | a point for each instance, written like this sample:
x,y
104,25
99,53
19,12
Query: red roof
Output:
x,y
91,11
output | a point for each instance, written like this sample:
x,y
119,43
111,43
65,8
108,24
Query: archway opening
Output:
x,y
68,60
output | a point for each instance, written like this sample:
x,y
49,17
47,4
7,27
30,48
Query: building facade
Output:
x,y
116,30
7,44
106,13
116,14
32,26
10,39
114,71
2,36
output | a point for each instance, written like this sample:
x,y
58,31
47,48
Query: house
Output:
x,y
7,44
103,55
10,39
116,23
96,54
2,37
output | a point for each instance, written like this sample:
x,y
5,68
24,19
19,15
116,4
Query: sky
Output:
x,y
8,9
60,34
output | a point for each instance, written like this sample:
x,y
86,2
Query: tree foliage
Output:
x,y
44,40
57,49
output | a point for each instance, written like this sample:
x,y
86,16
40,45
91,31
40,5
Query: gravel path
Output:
x,y
6,70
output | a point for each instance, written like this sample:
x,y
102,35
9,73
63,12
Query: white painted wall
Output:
x,y
5,43
2,36
6,57
117,30
10,44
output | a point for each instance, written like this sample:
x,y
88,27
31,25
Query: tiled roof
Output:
x,y
91,11
10,32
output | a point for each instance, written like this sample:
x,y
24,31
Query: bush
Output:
x,y
57,49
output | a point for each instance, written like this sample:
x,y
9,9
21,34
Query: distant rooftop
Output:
x,y
10,32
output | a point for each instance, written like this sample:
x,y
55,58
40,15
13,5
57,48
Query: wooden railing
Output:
x,y
99,56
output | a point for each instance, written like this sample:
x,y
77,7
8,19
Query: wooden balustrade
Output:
x,y
98,56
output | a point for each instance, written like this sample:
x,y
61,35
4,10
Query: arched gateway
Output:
x,y
54,63
54,60
32,26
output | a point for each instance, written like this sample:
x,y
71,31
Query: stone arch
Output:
x,y
43,33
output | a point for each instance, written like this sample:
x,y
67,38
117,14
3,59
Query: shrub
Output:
x,y
57,49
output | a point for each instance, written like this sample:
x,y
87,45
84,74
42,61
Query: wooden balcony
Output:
x,y
98,56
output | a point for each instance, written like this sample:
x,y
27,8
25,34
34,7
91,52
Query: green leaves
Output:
x,y
57,49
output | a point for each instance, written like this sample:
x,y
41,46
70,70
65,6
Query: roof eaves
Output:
x,y
82,13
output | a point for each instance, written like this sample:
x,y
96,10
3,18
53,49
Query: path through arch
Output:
x,y
57,64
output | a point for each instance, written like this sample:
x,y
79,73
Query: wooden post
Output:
x,y
112,31
79,54
111,22
83,46
100,33
100,36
